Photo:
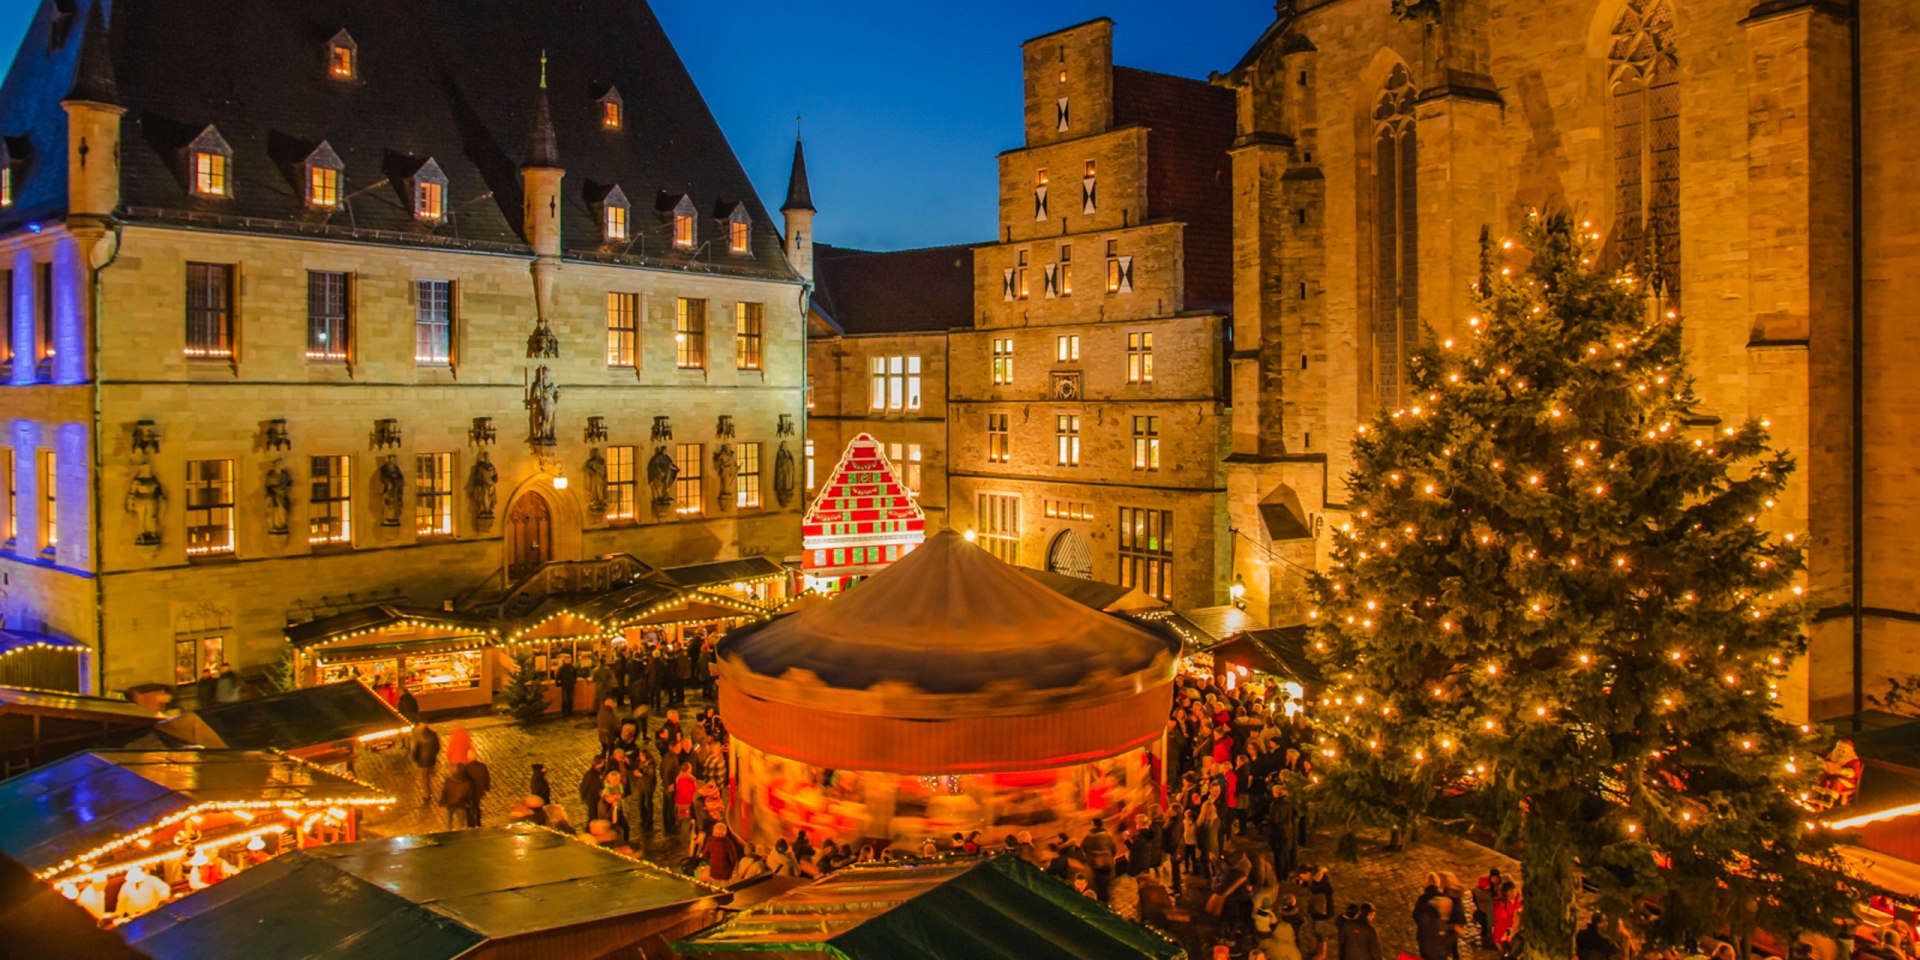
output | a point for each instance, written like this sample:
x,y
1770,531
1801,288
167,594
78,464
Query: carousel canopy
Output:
x,y
950,618
296,720
969,910
443,895
948,661
71,808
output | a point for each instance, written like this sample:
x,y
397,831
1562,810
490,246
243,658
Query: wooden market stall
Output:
x,y
499,893
949,692
938,910
121,831
443,657
864,519
42,661
41,726
326,724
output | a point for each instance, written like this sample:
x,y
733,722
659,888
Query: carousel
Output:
x,y
947,693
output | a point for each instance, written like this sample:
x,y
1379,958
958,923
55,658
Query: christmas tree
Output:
x,y
1558,610
525,693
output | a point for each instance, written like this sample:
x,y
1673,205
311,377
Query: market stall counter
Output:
x,y
444,659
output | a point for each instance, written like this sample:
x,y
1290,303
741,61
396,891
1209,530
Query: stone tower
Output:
x,y
799,213
540,178
93,124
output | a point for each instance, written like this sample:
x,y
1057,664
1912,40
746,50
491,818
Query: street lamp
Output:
x,y
1238,591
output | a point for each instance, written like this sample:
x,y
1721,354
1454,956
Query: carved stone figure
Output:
x,y
783,474
480,483
727,468
596,481
279,497
145,496
661,473
542,396
392,482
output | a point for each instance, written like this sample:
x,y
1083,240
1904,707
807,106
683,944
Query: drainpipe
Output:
x,y
94,300
1859,388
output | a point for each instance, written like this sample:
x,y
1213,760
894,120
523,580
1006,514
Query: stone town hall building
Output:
x,y
308,301
1755,156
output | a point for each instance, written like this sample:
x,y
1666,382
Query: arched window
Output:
x,y
1396,301
1644,83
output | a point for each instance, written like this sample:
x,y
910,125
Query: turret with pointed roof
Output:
x,y
798,211
93,71
543,148
799,192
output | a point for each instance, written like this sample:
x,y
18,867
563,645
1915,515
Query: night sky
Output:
x,y
906,103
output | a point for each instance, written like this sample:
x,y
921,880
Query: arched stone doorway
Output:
x,y
1070,556
529,535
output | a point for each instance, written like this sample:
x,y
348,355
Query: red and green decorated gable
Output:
x,y
864,517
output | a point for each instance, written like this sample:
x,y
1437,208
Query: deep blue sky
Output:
x,y
906,101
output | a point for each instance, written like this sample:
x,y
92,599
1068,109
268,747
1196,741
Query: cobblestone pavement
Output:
x,y
1388,879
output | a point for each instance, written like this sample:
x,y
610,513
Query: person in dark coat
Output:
x,y
456,795
1358,938
1436,936
590,781
481,778
565,679
537,784
423,751
409,705
1592,944
1101,851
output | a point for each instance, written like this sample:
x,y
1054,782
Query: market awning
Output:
x,y
18,641
297,720
726,572
966,910
37,921
698,607
388,618
1281,651
1100,595
74,706
444,895
63,813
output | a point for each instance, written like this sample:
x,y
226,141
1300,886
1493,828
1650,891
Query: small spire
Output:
x,y
93,69
543,149
799,193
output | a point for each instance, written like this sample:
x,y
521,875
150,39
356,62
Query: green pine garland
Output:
x,y
1558,612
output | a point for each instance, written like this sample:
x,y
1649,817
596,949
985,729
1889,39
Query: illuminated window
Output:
x,y
429,200
43,312
343,57
433,495
683,231
623,329
907,460
323,187
209,491
613,110
809,464
737,234
1089,190
1003,360
329,326
11,487
999,440
749,321
210,310
6,186
6,323
1066,349
895,384
690,334
209,162
1644,76
433,322
747,489
620,486
999,517
1066,434
1146,551
1395,226
691,459
1139,358
1146,443
1119,273
615,222
1068,510
330,500
49,500
1040,194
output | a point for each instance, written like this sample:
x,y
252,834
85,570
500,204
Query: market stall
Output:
x,y
941,910
949,692
864,519
442,657
43,661
326,724
490,894
41,726
121,831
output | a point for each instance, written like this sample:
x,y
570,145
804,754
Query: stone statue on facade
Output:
x,y
661,473
392,482
783,475
145,496
596,480
726,468
279,497
480,483
543,395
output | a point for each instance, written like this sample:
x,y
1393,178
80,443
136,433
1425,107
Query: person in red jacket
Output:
x,y
722,854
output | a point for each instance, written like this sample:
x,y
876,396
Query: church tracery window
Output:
x,y
1396,302
1644,108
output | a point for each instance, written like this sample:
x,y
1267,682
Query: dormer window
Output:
x,y
429,193
343,57
209,163
683,214
739,227
736,231
614,213
6,186
323,168
613,110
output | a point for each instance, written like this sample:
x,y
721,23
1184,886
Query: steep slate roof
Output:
x,y
799,190
911,291
1189,176
454,80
